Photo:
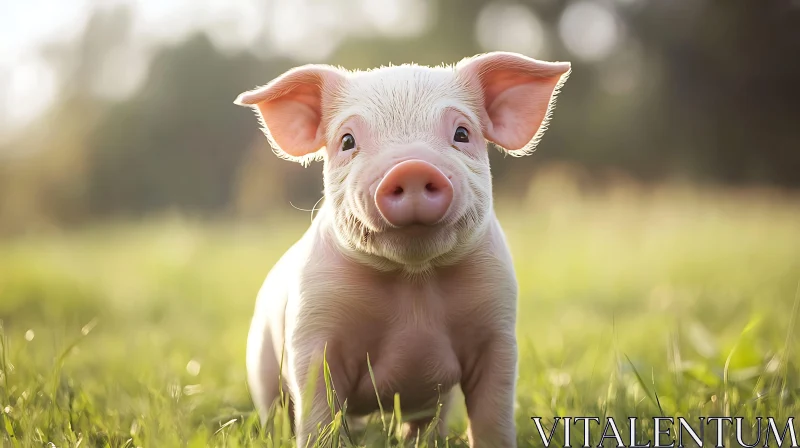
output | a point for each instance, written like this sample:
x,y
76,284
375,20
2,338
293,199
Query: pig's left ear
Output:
x,y
518,95
290,109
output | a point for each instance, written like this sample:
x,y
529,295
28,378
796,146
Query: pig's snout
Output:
x,y
414,192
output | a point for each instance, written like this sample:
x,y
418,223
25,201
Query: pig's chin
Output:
x,y
411,248
415,247
416,231
415,244
420,246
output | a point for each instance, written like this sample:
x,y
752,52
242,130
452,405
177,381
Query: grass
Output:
x,y
674,301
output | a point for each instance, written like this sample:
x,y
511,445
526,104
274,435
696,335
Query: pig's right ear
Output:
x,y
290,109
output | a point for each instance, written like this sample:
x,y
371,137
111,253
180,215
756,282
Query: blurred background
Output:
x,y
121,109
140,209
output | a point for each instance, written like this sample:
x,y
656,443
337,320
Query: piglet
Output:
x,y
406,261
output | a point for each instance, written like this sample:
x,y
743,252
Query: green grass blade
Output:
x,y
377,396
655,401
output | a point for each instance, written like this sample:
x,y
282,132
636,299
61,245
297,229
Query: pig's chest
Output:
x,y
411,352
419,364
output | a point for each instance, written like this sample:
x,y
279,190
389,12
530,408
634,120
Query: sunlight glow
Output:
x,y
31,89
397,18
29,84
510,27
232,26
589,30
296,29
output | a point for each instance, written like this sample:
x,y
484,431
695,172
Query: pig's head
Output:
x,y
406,166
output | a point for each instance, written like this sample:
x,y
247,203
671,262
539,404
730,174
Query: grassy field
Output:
x,y
673,301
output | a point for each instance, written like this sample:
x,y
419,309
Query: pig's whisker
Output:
x,y
313,207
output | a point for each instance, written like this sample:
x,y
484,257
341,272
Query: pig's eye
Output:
x,y
462,135
348,142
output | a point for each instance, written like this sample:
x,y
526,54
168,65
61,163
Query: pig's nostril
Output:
x,y
398,191
431,188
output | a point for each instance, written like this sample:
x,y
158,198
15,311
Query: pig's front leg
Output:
x,y
312,413
489,389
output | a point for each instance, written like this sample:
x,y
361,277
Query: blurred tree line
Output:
x,y
717,99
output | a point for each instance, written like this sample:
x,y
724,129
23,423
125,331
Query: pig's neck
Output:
x,y
323,228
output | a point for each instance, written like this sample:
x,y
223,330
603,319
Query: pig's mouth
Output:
x,y
414,244
368,233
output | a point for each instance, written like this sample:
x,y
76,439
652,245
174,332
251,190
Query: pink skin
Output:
x,y
406,262
398,235
414,192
